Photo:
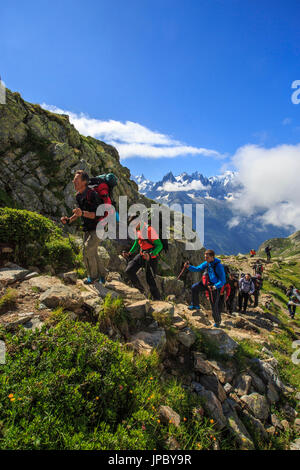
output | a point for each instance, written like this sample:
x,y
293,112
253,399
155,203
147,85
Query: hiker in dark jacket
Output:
x,y
149,245
88,202
246,288
213,280
258,283
268,252
234,286
294,300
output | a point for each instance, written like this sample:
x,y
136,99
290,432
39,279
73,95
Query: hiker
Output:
x,y
88,200
252,253
234,285
294,300
149,245
246,288
268,252
224,296
258,283
258,268
213,279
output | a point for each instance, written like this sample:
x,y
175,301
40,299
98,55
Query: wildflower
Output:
x,y
12,399
143,427
170,422
10,395
151,378
130,391
199,445
121,387
211,421
184,419
97,398
158,420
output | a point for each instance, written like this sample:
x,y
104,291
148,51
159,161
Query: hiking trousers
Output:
x,y
91,259
230,304
292,310
243,301
214,296
150,267
256,296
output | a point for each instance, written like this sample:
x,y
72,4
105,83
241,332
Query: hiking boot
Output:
x,y
88,280
216,325
102,280
193,307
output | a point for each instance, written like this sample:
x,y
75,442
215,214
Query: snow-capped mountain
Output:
x,y
215,187
217,194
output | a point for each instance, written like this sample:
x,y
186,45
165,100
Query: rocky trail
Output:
x,y
241,399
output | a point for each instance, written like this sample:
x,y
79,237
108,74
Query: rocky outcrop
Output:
x,y
40,151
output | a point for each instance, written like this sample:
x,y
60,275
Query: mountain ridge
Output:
x,y
222,233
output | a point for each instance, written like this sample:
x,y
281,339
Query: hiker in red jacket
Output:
x,y
149,245
224,295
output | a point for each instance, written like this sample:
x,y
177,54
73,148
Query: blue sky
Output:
x,y
192,74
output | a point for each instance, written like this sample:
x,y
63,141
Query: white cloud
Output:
x,y
270,179
286,121
234,222
132,139
194,185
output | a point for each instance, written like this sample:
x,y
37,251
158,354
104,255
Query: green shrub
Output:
x,y
37,240
112,313
8,300
70,387
60,253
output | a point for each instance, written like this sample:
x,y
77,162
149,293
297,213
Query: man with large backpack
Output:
x,y
88,200
149,245
213,279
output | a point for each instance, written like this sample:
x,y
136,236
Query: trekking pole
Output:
x,y
181,272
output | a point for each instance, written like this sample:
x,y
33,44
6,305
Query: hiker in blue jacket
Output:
x,y
213,279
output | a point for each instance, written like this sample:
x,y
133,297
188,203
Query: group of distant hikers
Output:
x,y
222,287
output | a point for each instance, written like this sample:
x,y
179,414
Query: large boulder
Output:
x,y
124,291
186,337
258,405
11,274
295,445
62,296
145,342
139,309
224,344
267,371
212,407
202,365
43,283
224,373
162,308
237,428
211,382
243,384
